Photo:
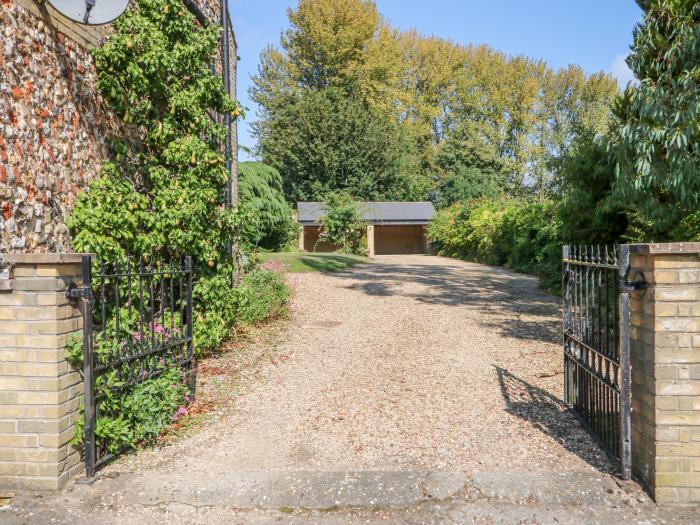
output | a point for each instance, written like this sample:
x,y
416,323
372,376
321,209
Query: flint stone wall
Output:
x,y
54,125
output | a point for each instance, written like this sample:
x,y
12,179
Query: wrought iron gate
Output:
x,y
597,375
137,323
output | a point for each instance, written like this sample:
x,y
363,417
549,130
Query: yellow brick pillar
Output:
x,y
370,240
665,357
40,394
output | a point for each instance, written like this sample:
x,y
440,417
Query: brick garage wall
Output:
x,y
54,126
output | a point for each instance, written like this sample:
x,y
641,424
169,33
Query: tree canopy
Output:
x,y
349,103
655,135
260,189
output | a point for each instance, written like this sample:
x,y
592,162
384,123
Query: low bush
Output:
x,y
343,224
263,295
136,415
522,234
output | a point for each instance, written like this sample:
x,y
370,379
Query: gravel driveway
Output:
x,y
411,389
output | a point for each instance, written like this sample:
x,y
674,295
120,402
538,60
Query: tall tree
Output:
x,y
430,94
574,107
326,141
328,104
656,135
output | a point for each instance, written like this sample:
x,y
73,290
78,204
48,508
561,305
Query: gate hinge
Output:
x,y
639,283
75,292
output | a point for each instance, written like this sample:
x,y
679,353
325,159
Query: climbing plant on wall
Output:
x,y
162,192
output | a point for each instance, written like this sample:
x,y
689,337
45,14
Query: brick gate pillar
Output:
x,y
40,394
665,355
370,240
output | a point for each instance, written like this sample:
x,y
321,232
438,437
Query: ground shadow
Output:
x,y
328,263
550,415
509,302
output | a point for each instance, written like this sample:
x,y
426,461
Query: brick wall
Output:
x,y
54,126
40,394
665,333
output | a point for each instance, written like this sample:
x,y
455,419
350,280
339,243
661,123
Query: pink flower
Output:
x,y
182,411
136,336
157,328
161,362
273,266
144,373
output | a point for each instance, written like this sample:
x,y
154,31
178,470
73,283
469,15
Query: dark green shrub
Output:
x,y
260,190
142,411
522,234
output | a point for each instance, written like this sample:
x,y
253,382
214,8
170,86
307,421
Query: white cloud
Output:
x,y
621,71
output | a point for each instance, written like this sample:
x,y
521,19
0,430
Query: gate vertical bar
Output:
x,y
190,331
88,373
625,369
565,293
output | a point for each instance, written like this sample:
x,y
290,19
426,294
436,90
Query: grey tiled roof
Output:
x,y
375,212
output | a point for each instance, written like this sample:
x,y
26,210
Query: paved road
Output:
x,y
413,389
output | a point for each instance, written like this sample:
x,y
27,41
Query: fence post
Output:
x,y
190,331
625,367
88,375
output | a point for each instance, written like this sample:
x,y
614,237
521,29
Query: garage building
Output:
x,y
392,227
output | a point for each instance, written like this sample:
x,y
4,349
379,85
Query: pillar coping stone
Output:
x,y
46,258
668,248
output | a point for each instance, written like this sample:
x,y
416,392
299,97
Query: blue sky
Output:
x,y
595,34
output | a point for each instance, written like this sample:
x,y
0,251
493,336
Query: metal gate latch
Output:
x,y
75,292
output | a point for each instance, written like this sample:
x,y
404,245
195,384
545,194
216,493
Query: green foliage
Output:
x,y
522,234
262,295
468,170
152,404
346,102
163,197
212,325
591,210
74,350
343,224
323,141
656,133
141,412
260,190
162,193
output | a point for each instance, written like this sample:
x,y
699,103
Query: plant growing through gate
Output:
x,y
343,225
162,193
159,197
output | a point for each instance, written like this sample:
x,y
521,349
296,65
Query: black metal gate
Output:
x,y
597,376
137,323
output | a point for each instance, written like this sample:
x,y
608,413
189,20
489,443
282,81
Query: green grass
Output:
x,y
313,262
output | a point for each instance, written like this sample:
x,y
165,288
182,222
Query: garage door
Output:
x,y
311,243
390,240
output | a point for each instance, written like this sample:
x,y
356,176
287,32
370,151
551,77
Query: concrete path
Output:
x,y
411,390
